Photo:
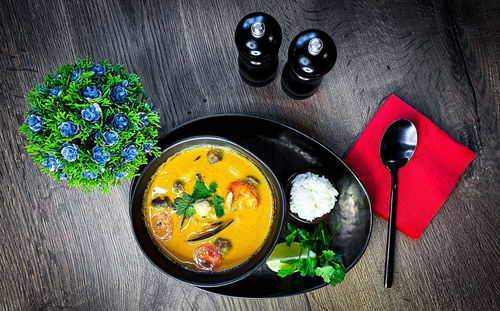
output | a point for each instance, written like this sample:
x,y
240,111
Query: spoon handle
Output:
x,y
391,231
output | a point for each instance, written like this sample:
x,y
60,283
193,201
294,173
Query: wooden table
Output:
x,y
64,249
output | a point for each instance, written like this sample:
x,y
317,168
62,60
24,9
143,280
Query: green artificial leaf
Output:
x,y
67,107
291,234
201,191
213,187
217,202
286,271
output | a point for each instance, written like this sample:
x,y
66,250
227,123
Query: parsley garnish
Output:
x,y
328,265
184,205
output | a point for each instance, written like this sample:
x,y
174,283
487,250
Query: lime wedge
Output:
x,y
282,252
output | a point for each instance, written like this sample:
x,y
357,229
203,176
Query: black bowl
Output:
x,y
198,278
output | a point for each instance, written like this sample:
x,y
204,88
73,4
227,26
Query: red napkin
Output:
x,y
424,183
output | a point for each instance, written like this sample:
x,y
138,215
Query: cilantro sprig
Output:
x,y
184,204
328,265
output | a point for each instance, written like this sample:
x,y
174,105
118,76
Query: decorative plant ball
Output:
x,y
91,124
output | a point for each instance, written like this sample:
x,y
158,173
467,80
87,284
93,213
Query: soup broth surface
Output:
x,y
248,208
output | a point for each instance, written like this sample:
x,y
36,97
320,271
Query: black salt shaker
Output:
x,y
311,55
258,39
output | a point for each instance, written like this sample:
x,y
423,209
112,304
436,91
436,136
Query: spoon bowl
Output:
x,y
397,147
398,144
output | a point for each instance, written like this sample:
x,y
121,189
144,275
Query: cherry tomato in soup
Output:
x,y
207,257
244,195
162,226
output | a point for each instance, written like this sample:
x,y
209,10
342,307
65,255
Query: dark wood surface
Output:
x,y
63,249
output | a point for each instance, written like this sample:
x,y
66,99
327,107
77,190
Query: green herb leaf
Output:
x,y
286,271
325,272
190,211
330,274
201,191
291,234
180,206
303,234
328,255
217,202
328,265
213,187
308,244
306,266
187,198
324,235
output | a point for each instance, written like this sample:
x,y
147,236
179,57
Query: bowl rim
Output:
x,y
280,219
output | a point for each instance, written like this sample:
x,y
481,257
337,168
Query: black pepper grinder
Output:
x,y
311,55
258,39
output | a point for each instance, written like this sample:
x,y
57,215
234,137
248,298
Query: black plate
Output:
x,y
286,150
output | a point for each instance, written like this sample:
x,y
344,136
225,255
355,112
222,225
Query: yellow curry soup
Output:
x,y
233,237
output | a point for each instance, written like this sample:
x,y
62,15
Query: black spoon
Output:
x,y
396,148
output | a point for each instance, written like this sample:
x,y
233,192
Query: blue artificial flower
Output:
x,y
51,163
129,153
120,122
100,155
121,174
144,120
101,169
57,76
118,94
98,70
109,138
35,122
55,92
68,129
41,88
91,93
70,152
92,113
76,74
63,176
148,147
88,174
152,107
124,83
